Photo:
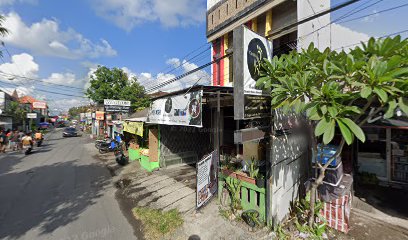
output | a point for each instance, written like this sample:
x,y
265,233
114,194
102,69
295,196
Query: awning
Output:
x,y
137,119
134,128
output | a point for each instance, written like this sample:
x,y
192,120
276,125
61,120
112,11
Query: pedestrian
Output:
x,y
20,138
7,143
14,141
2,141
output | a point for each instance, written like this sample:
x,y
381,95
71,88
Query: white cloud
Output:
x,y
11,2
342,37
61,78
127,14
370,19
46,38
200,77
20,65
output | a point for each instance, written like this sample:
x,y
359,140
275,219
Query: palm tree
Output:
x,y
3,30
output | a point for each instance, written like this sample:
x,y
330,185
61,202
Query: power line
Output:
x,y
314,16
39,80
186,74
284,46
338,7
387,35
42,90
188,54
371,14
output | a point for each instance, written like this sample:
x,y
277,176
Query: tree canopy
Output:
x,y
339,91
75,111
115,84
338,88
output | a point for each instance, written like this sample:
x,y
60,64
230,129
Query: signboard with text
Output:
x,y
116,106
249,50
207,181
39,105
183,110
32,115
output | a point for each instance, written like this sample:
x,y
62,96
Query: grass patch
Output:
x,y
157,223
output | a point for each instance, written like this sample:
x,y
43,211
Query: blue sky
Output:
x,y
63,41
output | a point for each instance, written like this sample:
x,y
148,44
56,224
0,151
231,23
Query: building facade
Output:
x,y
268,18
276,20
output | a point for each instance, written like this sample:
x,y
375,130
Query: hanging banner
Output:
x,y
184,110
116,106
207,180
99,115
250,49
134,128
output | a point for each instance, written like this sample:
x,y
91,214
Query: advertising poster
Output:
x,y
249,50
207,181
99,115
183,110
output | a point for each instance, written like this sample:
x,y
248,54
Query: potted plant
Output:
x,y
260,181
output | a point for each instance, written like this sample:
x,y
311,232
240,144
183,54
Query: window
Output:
x,y
227,9
236,4
212,19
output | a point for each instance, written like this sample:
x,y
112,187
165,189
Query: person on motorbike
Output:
x,y
38,135
27,140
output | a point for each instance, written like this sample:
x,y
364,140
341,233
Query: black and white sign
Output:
x,y
249,50
110,102
32,115
257,106
207,178
184,110
116,106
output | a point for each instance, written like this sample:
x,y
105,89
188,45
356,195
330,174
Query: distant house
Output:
x,y
6,121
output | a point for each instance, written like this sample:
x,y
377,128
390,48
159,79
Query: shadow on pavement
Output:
x,y
389,200
48,197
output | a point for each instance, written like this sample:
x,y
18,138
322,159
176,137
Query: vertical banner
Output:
x,y
207,180
250,49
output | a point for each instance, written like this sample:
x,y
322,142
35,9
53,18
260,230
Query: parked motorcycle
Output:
x,y
120,157
109,146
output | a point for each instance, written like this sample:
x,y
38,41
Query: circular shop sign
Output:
x,y
194,108
256,52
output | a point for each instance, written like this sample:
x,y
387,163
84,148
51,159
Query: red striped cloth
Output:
x,y
337,213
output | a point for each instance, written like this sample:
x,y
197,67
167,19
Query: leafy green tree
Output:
x,y
115,84
16,111
336,90
75,111
3,31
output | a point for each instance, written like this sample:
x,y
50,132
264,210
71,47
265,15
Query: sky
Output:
x,y
53,44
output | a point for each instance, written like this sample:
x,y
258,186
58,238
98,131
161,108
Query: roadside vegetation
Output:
x,y
157,223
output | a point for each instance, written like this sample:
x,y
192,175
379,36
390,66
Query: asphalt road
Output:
x,y
59,192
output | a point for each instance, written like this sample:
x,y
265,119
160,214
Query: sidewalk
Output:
x,y
171,188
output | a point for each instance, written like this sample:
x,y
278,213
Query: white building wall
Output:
x,y
211,3
317,30
289,160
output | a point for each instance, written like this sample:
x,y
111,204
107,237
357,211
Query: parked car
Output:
x,y
70,132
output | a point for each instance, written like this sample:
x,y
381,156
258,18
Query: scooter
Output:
x,y
120,157
39,142
28,149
